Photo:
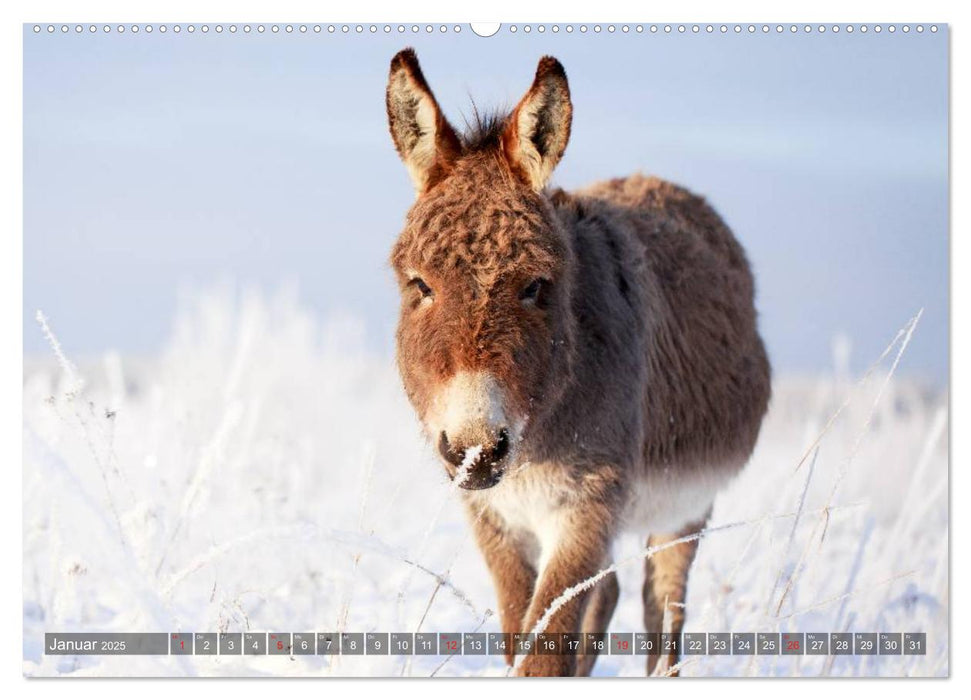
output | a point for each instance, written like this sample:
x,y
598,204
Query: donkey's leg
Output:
x,y
581,548
600,608
665,583
512,573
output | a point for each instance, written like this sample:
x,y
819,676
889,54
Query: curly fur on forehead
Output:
x,y
483,222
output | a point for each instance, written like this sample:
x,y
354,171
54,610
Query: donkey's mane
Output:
x,y
483,131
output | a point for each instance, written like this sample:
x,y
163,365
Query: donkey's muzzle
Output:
x,y
480,466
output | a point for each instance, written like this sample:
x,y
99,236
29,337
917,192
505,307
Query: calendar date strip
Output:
x,y
485,643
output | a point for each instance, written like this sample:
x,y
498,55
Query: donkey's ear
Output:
x,y
538,129
425,140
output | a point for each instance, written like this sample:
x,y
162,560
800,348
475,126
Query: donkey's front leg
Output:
x,y
580,552
513,575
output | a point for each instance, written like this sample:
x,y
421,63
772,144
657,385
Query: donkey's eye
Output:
x,y
419,284
533,290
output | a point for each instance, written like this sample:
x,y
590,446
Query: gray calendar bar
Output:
x,y
482,643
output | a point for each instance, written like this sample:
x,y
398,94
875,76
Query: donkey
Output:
x,y
585,362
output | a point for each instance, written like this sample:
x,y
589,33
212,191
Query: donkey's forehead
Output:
x,y
454,227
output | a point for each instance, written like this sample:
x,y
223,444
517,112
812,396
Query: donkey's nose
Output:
x,y
455,454
482,470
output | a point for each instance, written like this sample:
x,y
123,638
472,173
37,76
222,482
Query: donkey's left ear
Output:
x,y
537,132
425,140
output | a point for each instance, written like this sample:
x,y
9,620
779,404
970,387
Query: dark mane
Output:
x,y
483,131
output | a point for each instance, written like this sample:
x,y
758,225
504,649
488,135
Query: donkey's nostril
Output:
x,y
449,454
501,448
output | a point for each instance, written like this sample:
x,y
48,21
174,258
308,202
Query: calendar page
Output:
x,y
486,350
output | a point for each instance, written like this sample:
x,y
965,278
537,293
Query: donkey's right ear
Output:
x,y
425,140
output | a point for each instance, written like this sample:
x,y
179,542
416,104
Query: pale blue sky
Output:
x,y
156,161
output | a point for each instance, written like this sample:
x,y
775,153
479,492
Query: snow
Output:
x,y
264,472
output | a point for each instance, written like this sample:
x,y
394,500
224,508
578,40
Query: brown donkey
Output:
x,y
584,362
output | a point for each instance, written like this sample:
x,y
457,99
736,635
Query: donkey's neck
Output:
x,y
604,394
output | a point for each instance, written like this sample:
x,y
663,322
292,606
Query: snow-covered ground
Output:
x,y
264,472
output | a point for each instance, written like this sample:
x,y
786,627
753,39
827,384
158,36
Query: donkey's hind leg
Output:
x,y
596,617
665,583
